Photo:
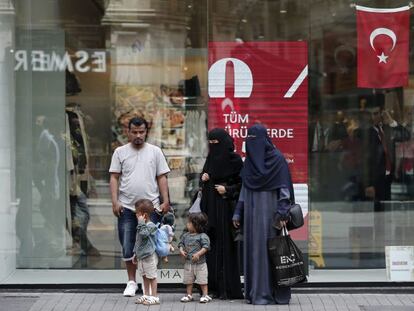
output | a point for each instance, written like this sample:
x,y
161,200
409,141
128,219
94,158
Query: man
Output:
x,y
378,160
380,153
379,166
138,171
77,193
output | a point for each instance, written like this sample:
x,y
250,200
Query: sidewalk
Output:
x,y
18,301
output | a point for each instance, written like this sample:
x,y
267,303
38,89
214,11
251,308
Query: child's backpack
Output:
x,y
162,244
169,230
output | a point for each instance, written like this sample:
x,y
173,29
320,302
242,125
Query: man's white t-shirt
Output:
x,y
139,169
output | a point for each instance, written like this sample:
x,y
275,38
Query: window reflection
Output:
x,y
361,148
90,75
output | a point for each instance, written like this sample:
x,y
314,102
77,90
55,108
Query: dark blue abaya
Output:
x,y
259,209
266,190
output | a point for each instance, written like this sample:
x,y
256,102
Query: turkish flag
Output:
x,y
383,42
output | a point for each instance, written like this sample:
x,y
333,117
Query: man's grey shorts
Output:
x,y
195,273
148,266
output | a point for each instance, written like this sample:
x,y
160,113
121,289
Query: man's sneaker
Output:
x,y
130,289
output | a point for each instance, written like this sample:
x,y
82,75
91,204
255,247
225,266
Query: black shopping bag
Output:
x,y
286,259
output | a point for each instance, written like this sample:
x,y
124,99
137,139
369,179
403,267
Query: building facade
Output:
x,y
74,72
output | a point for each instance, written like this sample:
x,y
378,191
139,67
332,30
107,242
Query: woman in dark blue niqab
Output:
x,y
265,167
266,192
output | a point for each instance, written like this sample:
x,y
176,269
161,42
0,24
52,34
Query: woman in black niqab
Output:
x,y
221,161
221,185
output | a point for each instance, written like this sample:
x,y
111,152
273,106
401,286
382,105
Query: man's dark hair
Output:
x,y
199,221
144,206
137,121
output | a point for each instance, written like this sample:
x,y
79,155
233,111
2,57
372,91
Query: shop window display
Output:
x,y
88,78
359,154
77,71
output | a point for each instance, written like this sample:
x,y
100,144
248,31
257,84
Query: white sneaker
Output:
x,y
130,289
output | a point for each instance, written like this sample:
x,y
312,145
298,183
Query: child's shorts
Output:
x,y
148,266
195,273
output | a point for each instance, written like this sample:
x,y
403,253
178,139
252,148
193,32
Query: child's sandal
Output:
x,y
187,298
141,299
205,299
151,300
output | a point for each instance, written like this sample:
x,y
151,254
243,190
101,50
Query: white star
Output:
x,y
382,58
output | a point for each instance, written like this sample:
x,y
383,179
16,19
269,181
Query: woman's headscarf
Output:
x,y
265,167
222,161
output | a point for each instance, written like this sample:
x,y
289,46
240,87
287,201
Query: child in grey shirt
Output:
x,y
193,246
145,256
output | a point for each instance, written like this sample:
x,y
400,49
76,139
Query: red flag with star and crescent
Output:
x,y
383,42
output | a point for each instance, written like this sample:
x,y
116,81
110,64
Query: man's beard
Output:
x,y
138,141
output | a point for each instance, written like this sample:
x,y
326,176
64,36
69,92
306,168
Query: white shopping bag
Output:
x,y
195,208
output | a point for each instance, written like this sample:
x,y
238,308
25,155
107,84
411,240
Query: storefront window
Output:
x,y
359,146
73,73
81,75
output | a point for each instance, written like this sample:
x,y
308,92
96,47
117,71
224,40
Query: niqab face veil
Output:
x,y
265,167
222,161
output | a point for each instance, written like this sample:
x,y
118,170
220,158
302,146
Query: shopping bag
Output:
x,y
286,259
195,208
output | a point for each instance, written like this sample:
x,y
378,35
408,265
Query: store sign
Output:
x,y
400,263
42,61
263,82
171,276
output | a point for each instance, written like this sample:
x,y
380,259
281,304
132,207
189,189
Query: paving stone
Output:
x,y
394,300
39,304
13,303
51,302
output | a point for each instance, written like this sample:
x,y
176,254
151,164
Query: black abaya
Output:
x,y
223,258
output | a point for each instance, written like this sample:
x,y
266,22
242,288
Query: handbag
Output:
x,y
295,217
286,259
195,207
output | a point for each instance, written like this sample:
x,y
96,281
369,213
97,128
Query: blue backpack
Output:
x,y
162,246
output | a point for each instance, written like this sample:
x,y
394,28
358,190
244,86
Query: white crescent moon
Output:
x,y
383,31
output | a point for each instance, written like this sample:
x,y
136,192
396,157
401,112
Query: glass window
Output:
x,y
83,70
74,72
359,147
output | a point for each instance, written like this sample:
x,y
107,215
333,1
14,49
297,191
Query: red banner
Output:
x,y
263,82
383,42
